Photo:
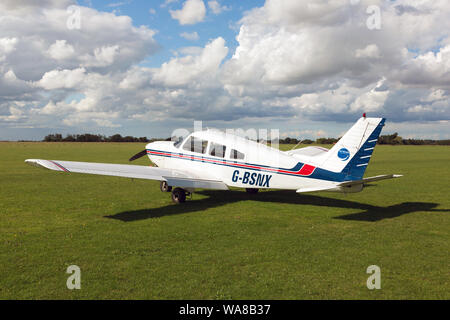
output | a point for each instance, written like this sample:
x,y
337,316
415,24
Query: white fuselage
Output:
x,y
258,166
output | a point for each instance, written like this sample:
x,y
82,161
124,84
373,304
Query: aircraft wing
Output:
x,y
179,178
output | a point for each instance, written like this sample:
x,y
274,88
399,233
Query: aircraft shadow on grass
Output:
x,y
218,198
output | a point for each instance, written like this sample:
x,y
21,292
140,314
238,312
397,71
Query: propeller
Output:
x,y
138,155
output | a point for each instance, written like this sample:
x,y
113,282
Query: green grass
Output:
x,y
131,242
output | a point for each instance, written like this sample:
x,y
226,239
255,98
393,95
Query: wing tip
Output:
x,y
32,162
35,163
46,164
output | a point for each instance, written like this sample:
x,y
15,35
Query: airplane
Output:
x,y
212,159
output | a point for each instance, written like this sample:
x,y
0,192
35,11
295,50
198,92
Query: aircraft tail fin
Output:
x,y
351,154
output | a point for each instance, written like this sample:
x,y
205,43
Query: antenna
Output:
x,y
296,145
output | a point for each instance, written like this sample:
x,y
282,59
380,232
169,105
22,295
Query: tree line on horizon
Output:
x,y
392,139
89,137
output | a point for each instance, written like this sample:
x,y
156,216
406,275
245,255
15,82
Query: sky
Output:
x,y
146,68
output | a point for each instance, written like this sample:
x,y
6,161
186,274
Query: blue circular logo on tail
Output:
x,y
343,154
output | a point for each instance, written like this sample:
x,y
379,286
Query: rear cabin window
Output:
x,y
217,150
234,154
194,144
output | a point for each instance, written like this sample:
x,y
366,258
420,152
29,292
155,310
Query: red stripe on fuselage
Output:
x,y
305,170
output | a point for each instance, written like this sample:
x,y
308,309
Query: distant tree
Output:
x,y
390,139
127,139
69,138
53,137
115,138
88,137
326,140
288,140
444,142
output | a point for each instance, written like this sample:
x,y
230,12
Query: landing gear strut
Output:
x,y
178,195
165,187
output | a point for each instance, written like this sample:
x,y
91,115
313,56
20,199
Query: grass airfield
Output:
x,y
132,242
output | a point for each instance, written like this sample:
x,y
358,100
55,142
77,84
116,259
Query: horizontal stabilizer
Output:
x,y
348,186
330,187
370,179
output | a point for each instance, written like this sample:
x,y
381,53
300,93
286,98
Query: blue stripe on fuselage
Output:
x,y
318,173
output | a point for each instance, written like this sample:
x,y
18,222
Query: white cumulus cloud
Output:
x,y
216,8
61,50
58,79
193,11
192,36
183,71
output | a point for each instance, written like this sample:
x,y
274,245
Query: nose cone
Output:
x,y
159,152
158,145
150,145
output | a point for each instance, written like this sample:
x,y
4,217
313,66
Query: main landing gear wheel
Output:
x,y
251,190
165,187
178,195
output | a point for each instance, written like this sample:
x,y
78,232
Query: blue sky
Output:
x,y
224,24
146,68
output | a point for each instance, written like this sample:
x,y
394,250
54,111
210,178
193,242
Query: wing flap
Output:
x,y
196,183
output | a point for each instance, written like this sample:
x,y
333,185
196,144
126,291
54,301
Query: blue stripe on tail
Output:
x,y
355,169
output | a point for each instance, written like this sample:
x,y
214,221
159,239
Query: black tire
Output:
x,y
165,187
252,190
178,195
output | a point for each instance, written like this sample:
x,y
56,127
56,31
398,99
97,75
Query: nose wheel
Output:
x,y
178,195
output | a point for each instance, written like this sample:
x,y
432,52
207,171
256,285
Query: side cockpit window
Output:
x,y
194,144
234,154
178,142
217,150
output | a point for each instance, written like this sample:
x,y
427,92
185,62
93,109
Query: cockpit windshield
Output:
x,y
178,141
